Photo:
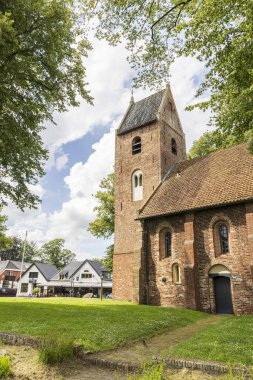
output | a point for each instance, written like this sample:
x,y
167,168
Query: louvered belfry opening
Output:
x,y
136,145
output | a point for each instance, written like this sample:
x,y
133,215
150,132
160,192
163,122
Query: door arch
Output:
x,y
222,289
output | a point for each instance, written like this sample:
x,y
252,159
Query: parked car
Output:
x,y
109,296
8,292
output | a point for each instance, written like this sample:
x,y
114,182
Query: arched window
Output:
x,y
223,232
175,273
136,145
174,146
167,241
221,238
137,186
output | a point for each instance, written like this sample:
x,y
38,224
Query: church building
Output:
x,y
183,228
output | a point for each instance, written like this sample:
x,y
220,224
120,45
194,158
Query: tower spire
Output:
x,y
132,96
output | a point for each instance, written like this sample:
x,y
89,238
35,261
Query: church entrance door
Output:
x,y
223,298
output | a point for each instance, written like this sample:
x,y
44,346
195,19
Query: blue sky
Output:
x,y
81,149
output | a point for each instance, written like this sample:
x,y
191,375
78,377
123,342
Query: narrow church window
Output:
x,y
167,240
136,145
175,273
174,146
137,186
223,232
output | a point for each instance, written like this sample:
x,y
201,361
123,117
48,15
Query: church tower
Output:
x,y
149,141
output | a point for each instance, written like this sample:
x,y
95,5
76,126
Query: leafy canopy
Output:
x,y
214,31
42,43
54,253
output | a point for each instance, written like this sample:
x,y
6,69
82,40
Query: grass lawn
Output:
x,y
229,341
98,325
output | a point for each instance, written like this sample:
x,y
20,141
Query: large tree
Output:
x,y
42,43
103,225
54,253
214,31
15,250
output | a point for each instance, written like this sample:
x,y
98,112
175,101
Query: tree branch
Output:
x,y
182,4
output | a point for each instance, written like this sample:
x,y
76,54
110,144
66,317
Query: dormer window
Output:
x,y
174,146
137,187
136,145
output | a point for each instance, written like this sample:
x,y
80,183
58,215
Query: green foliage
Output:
x,y
99,325
56,348
36,291
5,367
103,225
108,259
5,241
151,371
54,253
216,32
15,251
42,43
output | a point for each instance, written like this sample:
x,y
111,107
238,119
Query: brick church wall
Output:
x,y
193,248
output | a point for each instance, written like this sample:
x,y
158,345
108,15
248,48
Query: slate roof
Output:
x,y
141,113
217,179
70,269
12,265
47,270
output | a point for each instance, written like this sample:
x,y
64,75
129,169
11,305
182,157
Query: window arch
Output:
x,y
174,146
137,186
136,145
175,273
221,238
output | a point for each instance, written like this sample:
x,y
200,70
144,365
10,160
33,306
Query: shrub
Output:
x,y
150,371
55,349
5,367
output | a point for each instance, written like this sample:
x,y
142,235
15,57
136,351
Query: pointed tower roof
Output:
x,y
141,113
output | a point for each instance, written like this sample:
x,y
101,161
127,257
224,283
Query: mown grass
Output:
x,y
229,340
98,325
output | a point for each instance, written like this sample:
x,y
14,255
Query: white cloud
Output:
x,y
61,161
108,74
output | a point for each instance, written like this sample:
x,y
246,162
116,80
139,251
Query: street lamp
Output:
x,y
101,287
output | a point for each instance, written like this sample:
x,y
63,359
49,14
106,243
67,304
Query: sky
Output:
x,y
81,149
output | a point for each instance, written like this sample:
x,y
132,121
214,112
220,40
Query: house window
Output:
x,y
221,238
24,288
61,277
174,146
136,145
33,275
137,186
223,231
86,275
175,273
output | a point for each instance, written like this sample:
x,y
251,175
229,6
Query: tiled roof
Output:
x,y
141,113
219,178
68,270
12,265
47,270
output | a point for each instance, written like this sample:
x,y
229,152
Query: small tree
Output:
x,y
5,241
103,225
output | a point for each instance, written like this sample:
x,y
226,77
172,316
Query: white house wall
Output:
x,y
40,281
